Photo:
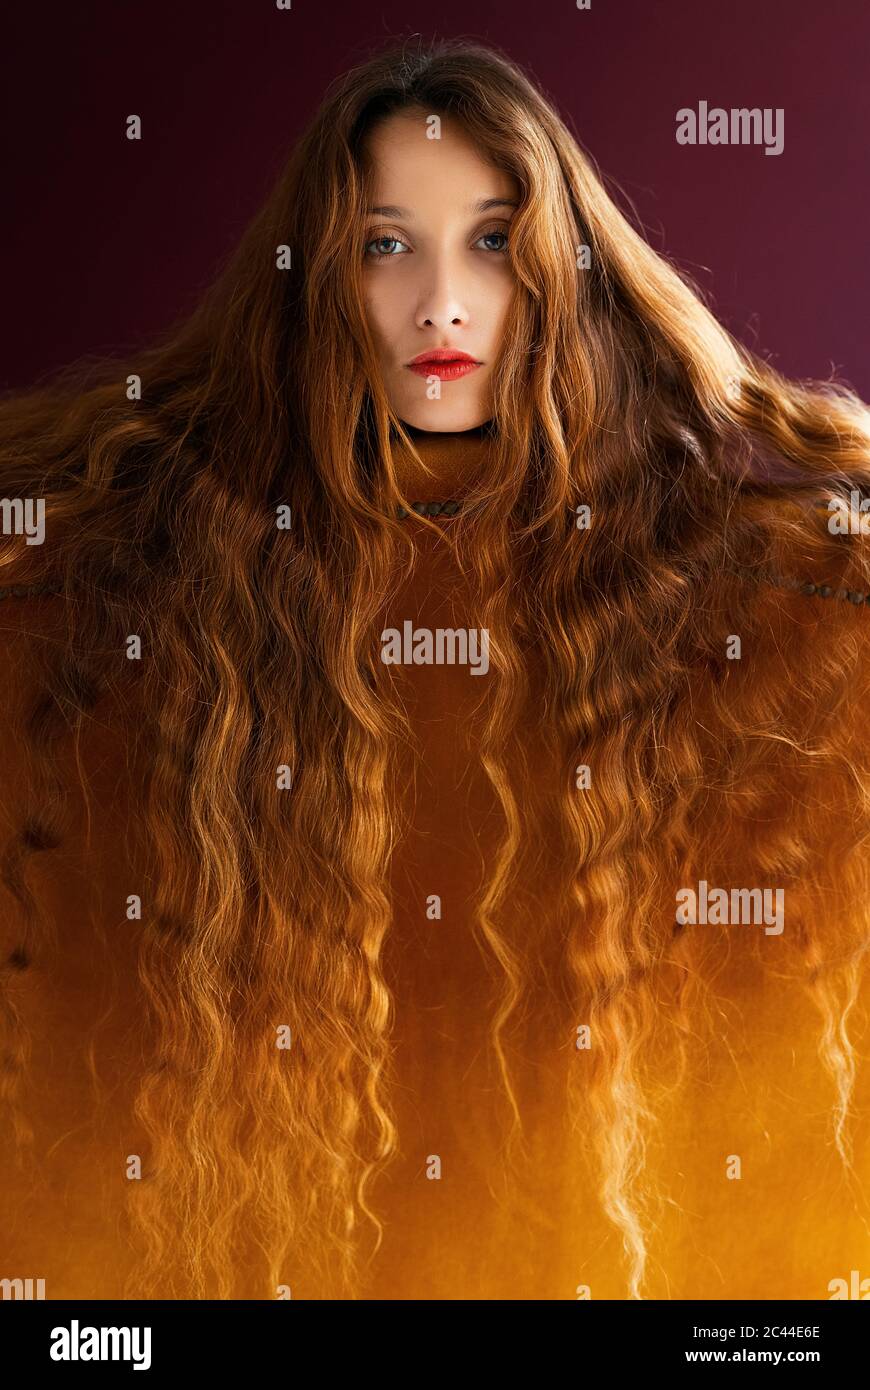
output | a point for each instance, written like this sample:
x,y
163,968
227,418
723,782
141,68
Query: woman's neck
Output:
x,y
475,431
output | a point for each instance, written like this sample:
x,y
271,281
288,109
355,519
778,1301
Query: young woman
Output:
x,y
436,797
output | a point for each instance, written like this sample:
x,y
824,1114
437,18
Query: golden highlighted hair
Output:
x,y
616,388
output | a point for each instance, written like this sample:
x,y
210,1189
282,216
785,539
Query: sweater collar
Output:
x,y
451,462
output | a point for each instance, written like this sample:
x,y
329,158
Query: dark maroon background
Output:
x,y
104,240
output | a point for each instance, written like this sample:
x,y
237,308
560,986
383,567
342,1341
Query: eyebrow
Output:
x,y
390,210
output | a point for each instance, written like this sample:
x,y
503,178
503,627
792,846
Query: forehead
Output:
x,y
401,159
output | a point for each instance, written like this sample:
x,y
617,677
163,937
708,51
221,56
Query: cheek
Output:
x,y
380,309
497,296
501,301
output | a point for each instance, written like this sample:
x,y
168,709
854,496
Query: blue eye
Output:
x,y
378,241
389,239
504,237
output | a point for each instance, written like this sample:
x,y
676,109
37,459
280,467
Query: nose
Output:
x,y
441,304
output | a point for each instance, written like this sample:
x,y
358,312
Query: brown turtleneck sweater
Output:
x,y
478,1231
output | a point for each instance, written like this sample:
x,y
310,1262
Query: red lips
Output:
x,y
446,363
443,355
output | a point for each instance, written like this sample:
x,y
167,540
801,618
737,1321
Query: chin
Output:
x,y
443,416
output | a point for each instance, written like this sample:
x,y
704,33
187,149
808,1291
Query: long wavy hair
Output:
x,y
705,472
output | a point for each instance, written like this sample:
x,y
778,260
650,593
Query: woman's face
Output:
x,y
436,271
